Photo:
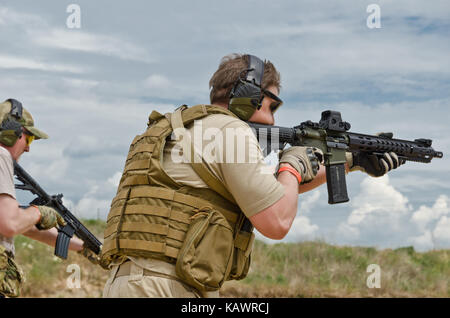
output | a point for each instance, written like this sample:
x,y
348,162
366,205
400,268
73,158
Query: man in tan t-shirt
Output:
x,y
17,131
268,201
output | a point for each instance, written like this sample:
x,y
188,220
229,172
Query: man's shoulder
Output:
x,y
5,155
222,121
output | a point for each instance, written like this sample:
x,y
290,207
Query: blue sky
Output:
x,y
92,89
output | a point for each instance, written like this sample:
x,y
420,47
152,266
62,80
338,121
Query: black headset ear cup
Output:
x,y
246,89
246,94
246,100
10,124
10,131
16,108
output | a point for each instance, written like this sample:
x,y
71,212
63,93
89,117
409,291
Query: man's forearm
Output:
x,y
320,179
27,219
290,199
290,183
14,219
49,237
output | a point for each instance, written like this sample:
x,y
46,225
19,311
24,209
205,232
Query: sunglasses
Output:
x,y
277,101
28,137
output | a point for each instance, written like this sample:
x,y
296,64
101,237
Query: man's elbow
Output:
x,y
277,237
273,222
274,230
8,229
280,232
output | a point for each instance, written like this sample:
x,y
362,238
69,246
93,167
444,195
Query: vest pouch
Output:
x,y
205,258
242,255
11,275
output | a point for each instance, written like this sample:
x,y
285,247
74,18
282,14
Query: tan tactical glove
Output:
x,y
373,165
305,160
90,255
49,218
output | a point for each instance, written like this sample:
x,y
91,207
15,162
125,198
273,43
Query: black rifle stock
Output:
x,y
331,136
74,226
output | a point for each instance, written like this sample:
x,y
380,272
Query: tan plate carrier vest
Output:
x,y
151,213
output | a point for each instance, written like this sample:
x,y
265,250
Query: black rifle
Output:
x,y
330,135
73,226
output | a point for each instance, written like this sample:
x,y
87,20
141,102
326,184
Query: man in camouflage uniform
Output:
x,y
17,131
180,229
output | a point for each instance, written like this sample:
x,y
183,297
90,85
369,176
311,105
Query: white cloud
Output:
x,y
436,238
308,201
348,232
157,81
384,215
301,229
9,16
69,205
377,208
80,84
422,242
53,170
424,215
92,43
84,146
442,231
115,179
377,199
11,62
93,204
413,182
92,208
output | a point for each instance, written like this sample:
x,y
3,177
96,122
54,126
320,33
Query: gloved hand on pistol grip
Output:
x,y
306,160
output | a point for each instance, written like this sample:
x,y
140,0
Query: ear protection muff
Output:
x,y
246,95
11,128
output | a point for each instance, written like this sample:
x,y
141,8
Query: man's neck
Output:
x,y
221,105
7,149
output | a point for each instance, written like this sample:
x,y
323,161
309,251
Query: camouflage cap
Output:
x,y
27,121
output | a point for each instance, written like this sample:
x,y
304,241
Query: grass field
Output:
x,y
307,269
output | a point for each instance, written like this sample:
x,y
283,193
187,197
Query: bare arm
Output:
x,y
49,237
320,178
275,221
14,220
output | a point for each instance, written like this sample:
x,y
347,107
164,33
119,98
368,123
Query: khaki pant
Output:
x,y
141,277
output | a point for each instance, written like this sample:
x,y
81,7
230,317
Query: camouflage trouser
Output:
x,y
11,275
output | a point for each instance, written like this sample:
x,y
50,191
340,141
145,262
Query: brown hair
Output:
x,y
228,72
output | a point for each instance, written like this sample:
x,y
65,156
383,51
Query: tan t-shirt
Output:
x,y
232,153
7,187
